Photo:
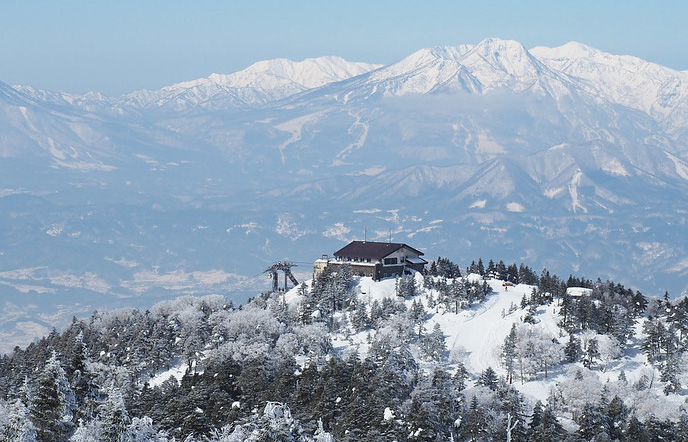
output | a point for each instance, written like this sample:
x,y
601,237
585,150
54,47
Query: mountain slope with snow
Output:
x,y
567,157
656,90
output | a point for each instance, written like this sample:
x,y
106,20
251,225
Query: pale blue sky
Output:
x,y
120,46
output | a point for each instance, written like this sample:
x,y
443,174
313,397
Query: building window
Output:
x,y
390,261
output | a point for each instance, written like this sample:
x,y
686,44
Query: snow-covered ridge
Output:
x,y
493,63
258,84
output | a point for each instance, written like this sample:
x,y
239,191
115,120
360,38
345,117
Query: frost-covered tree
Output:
x,y
509,353
51,407
536,352
592,423
546,427
579,387
475,423
358,316
609,349
433,344
15,425
276,424
114,416
82,380
321,435
591,352
572,350
654,336
406,286
460,377
432,409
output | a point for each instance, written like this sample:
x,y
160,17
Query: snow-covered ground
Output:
x,y
475,337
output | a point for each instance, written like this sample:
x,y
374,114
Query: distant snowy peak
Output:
x,y
435,53
569,51
623,79
507,56
475,69
258,84
309,73
424,71
88,101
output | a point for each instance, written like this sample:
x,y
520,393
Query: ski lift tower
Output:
x,y
288,276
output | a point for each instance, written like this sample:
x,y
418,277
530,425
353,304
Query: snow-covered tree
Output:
x,y
114,416
15,424
509,352
433,344
276,424
406,286
51,407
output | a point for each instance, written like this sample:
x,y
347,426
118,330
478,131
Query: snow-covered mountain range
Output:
x,y
566,158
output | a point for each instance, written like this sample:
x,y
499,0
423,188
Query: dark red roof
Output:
x,y
371,249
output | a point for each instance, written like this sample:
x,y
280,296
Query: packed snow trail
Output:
x,y
480,331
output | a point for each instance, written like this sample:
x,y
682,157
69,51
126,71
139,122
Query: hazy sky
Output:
x,y
120,46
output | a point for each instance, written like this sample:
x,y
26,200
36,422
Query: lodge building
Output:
x,y
374,259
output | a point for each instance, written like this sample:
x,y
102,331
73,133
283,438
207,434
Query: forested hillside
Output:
x,y
491,352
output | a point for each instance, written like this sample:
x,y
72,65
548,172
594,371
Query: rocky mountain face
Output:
x,y
566,158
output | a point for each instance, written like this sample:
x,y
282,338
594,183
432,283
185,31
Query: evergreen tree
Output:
x,y
50,410
82,381
406,287
637,431
512,407
432,410
491,271
488,378
417,312
616,416
433,346
591,353
592,423
457,293
474,424
17,426
359,316
509,353
500,269
114,416
459,378
447,269
572,350
548,429
526,275
536,417
654,336
670,372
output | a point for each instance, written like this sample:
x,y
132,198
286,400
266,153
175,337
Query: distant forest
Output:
x,y
269,370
